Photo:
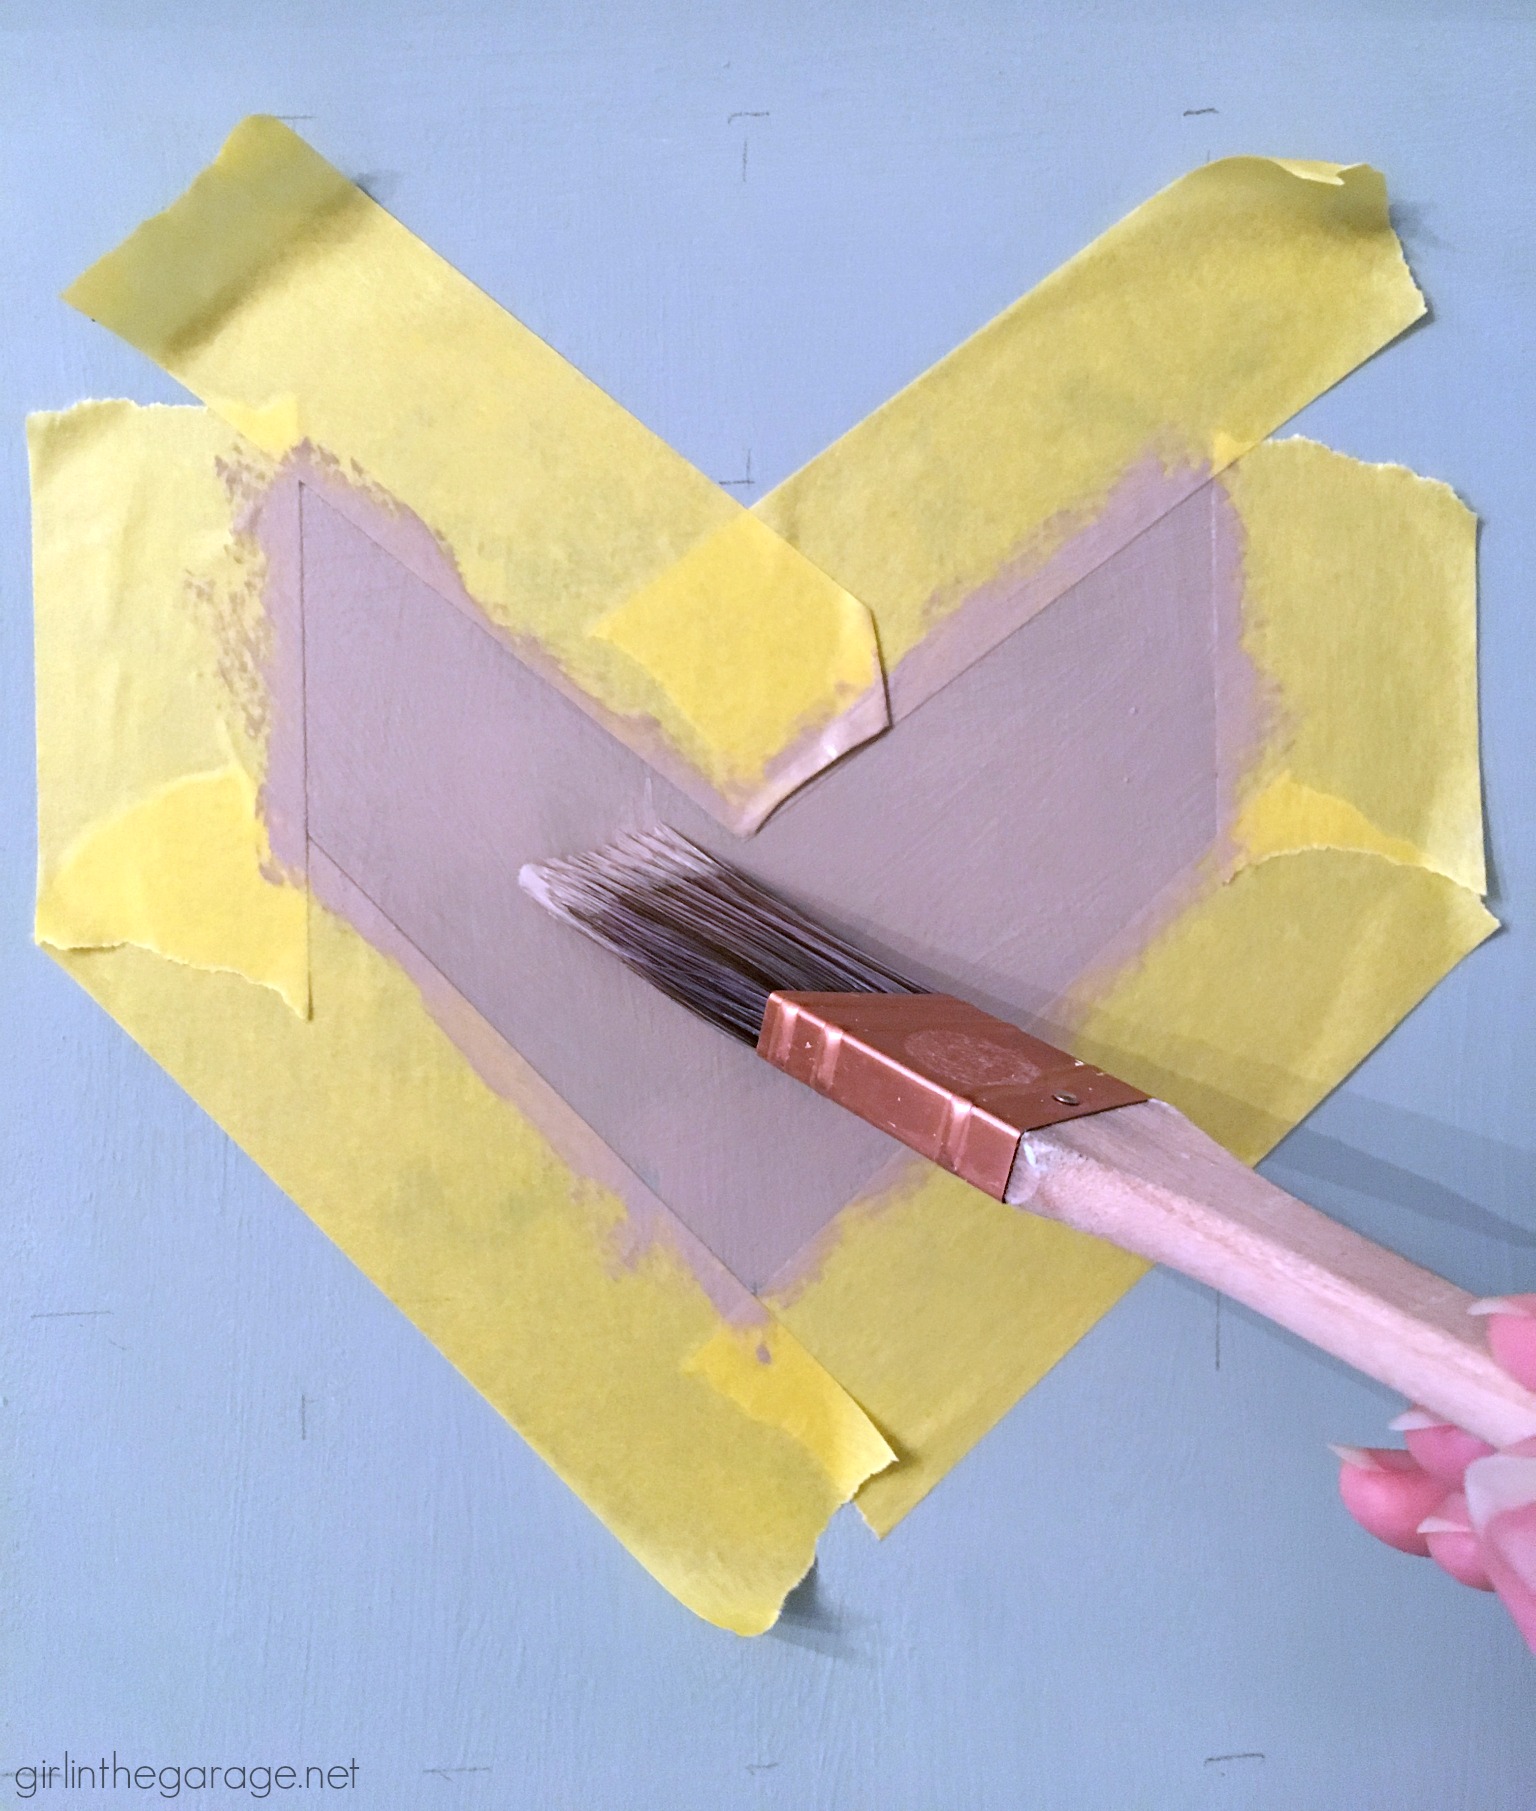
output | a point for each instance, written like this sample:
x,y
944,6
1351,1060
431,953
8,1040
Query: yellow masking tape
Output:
x,y
295,307
1262,996
735,707
1287,815
442,1191
148,638
936,1307
180,873
168,598
775,1380
1360,607
1179,338
1360,839
459,1210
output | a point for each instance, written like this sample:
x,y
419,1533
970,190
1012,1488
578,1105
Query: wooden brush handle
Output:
x,y
1150,1182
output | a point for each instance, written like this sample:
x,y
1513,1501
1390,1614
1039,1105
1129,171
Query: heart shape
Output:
x,y
1082,821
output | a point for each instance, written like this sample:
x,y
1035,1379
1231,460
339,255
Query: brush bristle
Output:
x,y
702,932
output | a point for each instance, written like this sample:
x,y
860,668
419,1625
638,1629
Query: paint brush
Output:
x,y
1024,1121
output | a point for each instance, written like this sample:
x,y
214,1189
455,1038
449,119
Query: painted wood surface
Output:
x,y
250,1515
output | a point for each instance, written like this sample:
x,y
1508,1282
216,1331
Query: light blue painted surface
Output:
x,y
250,1513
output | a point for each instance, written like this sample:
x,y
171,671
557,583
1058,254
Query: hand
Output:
x,y
1452,1498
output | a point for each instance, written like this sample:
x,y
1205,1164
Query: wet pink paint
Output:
x,y
1051,804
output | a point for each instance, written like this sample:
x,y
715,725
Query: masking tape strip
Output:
x,y
1169,346
147,775
456,1180
1306,248
1358,875
1361,601
1351,889
307,317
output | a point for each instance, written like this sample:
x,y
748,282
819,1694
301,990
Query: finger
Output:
x,y
1501,1505
1389,1494
1512,1333
1442,1450
1453,1543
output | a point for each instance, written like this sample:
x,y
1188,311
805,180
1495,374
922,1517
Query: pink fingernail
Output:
x,y
1357,1455
1501,1498
1452,1544
1444,1524
1354,1455
1412,1420
1511,1548
1504,1304
1497,1485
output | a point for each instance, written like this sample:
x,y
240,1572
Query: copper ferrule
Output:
x,y
957,1085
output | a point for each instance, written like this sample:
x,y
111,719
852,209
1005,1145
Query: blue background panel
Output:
x,y
249,1514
